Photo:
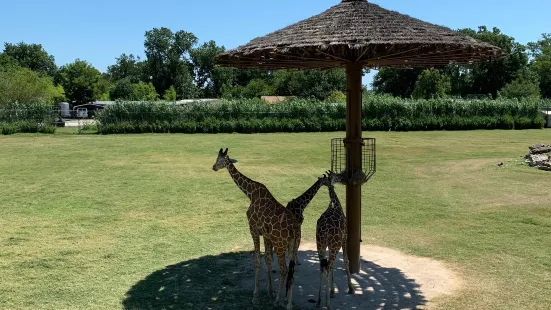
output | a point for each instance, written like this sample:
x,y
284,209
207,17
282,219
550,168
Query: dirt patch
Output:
x,y
433,277
389,279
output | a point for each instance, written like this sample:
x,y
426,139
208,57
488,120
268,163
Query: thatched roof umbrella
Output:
x,y
356,34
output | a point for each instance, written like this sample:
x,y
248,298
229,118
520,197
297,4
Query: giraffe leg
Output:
x,y
296,245
323,265
289,286
272,257
347,267
332,282
282,273
268,260
256,241
290,275
269,250
318,304
330,287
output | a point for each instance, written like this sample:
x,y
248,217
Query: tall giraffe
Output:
x,y
297,206
331,233
270,219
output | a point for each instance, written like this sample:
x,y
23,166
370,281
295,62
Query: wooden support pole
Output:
x,y
354,162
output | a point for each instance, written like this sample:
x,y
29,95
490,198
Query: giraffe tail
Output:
x,y
291,268
324,264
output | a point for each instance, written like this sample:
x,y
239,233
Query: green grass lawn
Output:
x,y
84,219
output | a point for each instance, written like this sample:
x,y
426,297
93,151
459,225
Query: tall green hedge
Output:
x,y
26,118
379,113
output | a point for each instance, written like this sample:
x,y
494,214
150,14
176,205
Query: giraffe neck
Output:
x,y
301,202
335,202
246,185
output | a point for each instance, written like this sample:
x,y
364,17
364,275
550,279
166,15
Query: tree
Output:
x,y
167,63
23,85
220,77
242,77
255,89
57,94
123,90
432,84
31,56
520,89
207,77
81,81
105,86
397,82
526,85
170,94
185,88
541,63
460,79
142,91
127,67
316,84
7,62
313,83
480,78
126,90
490,77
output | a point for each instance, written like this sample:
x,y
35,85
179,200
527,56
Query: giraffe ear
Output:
x,y
233,160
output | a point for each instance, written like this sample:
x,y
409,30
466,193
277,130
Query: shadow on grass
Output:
x,y
226,281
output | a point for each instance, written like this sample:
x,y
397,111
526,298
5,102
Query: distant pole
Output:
x,y
354,162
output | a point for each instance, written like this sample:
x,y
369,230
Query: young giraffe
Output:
x,y
331,233
271,220
297,206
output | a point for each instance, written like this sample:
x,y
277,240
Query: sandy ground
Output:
x,y
389,279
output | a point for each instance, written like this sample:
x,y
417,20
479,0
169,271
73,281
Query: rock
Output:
x,y
540,149
538,159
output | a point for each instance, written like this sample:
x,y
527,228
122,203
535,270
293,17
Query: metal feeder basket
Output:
x,y
339,161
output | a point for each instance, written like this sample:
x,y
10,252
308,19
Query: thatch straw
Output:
x,y
358,31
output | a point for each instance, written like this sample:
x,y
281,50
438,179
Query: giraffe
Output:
x,y
331,233
270,219
297,206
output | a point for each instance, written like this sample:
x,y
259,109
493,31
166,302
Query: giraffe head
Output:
x,y
223,160
325,180
333,178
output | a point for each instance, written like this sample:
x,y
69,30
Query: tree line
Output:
x,y
176,67
524,72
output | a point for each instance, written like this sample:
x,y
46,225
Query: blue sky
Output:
x,y
98,31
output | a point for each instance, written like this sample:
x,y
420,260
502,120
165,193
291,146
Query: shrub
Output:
x,y
170,94
336,96
23,85
520,89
